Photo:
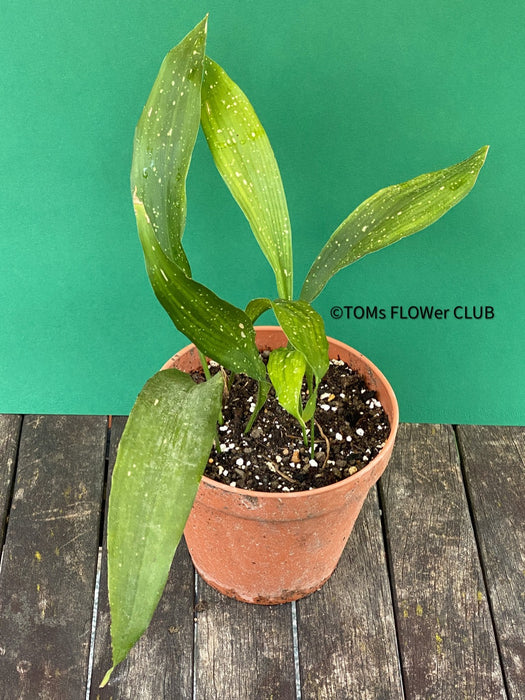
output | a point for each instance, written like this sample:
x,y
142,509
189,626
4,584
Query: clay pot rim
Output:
x,y
273,495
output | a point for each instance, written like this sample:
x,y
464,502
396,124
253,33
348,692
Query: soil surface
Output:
x,y
351,427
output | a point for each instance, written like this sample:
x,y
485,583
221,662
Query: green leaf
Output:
x,y
256,307
286,368
219,329
311,404
304,328
391,214
164,141
160,461
245,160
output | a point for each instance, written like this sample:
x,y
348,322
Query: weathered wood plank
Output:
x,y
494,464
242,650
347,636
161,663
446,638
9,432
49,559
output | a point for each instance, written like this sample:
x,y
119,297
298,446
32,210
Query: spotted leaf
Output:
x,y
256,307
286,368
164,141
161,458
246,162
391,214
304,328
219,329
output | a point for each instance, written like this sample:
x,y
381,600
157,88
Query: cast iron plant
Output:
x,y
173,424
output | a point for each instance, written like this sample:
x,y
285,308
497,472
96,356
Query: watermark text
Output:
x,y
461,312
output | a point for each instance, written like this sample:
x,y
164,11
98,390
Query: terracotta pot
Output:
x,y
270,548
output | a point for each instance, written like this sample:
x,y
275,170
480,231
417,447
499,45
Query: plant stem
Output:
x,y
207,374
262,392
310,384
305,436
204,364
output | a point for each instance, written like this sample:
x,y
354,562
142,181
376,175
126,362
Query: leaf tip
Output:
x,y
477,161
483,152
106,678
201,28
203,24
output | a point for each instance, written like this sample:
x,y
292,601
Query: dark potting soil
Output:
x,y
351,427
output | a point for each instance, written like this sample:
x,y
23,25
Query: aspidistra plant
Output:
x,y
172,426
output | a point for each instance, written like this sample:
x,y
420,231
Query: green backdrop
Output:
x,y
354,96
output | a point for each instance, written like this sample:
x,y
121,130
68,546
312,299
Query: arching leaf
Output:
x,y
304,328
245,160
286,368
161,458
256,307
219,329
391,214
164,141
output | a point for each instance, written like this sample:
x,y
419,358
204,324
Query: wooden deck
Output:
x,y
427,602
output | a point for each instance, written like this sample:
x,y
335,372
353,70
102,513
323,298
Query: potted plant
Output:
x,y
179,424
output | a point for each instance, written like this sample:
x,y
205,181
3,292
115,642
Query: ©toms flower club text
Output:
x,y
413,312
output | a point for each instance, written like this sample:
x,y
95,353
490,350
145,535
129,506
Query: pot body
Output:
x,y
271,548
